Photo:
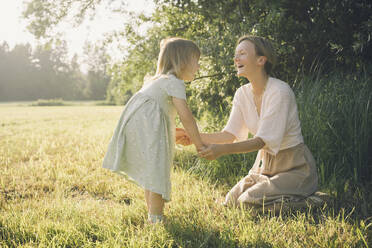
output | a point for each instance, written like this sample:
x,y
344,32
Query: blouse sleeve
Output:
x,y
176,88
273,123
236,125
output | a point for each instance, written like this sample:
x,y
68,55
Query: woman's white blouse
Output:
x,y
278,124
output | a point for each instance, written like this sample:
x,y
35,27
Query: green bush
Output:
x,y
104,103
49,102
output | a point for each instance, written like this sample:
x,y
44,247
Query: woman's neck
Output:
x,y
259,82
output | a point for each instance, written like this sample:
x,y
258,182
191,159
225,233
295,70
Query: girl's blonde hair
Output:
x,y
175,55
263,47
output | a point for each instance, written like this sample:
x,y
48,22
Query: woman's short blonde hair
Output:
x,y
263,47
175,56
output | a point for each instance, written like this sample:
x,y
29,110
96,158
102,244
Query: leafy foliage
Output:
x,y
309,37
44,15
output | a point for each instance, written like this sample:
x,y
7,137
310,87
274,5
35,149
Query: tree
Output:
x,y
15,68
97,77
53,71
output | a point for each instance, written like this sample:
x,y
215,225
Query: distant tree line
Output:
x,y
44,72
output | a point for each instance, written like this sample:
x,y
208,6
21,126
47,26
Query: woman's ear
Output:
x,y
262,60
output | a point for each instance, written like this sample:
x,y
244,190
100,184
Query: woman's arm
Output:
x,y
188,122
217,138
207,138
214,151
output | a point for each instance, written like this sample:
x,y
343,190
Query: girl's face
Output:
x,y
191,69
246,60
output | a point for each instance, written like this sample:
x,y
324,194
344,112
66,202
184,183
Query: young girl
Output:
x,y
142,146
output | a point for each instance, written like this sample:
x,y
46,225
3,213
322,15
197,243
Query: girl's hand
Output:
x,y
182,138
212,152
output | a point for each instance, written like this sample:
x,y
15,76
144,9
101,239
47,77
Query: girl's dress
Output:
x,y
142,146
285,167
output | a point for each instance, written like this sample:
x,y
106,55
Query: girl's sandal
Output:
x,y
154,219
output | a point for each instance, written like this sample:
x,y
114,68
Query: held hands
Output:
x,y
208,151
211,152
182,138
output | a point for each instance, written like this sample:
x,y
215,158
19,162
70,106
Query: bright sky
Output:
x,y
13,27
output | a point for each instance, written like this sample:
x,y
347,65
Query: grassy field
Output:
x,y
54,193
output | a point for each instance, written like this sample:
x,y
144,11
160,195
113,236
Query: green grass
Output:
x,y
54,193
54,102
336,120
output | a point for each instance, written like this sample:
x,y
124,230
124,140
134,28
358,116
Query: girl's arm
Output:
x,y
214,151
188,122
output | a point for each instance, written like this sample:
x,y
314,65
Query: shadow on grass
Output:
x,y
14,237
193,235
226,170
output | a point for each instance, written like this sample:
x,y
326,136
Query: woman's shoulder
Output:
x,y
243,90
278,86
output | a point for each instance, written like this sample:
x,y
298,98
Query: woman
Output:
x,y
266,107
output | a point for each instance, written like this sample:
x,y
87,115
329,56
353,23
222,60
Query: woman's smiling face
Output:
x,y
245,59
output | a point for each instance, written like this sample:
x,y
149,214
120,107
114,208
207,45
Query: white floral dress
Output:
x,y
142,146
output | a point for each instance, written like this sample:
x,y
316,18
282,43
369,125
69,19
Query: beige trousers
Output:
x,y
290,175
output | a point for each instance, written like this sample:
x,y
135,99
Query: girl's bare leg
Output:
x,y
156,203
147,196
155,206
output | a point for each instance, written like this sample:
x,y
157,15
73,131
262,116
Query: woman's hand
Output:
x,y
212,152
182,138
